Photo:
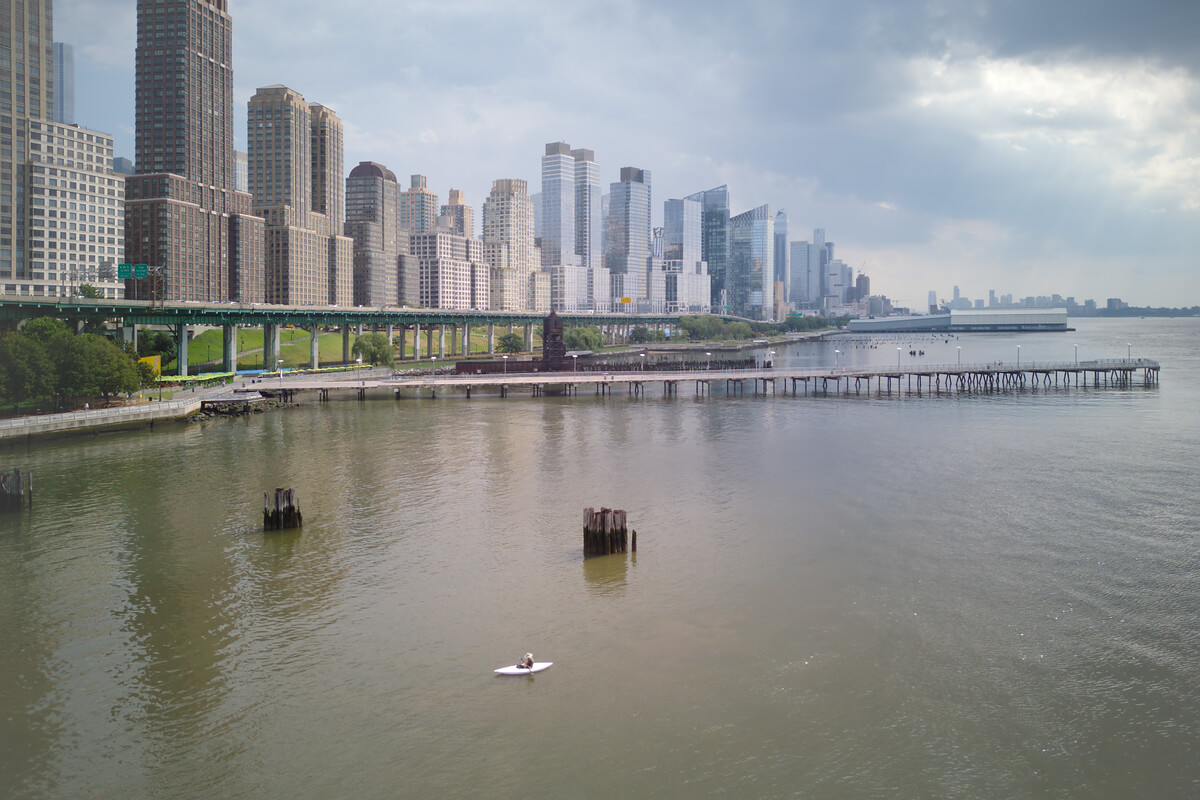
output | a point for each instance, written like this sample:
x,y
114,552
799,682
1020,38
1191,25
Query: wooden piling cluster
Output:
x,y
14,489
282,512
605,532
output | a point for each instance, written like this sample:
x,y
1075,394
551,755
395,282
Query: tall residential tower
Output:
x,y
182,212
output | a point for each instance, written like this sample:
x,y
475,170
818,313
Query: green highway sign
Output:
x,y
140,271
124,270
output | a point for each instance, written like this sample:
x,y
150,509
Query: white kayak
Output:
x,y
538,666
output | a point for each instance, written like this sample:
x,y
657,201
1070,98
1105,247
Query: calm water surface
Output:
x,y
949,596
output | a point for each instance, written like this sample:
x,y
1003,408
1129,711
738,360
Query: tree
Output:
x,y
89,291
43,329
510,343
583,337
374,349
113,370
25,371
146,374
156,343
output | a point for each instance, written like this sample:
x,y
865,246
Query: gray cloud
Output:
x,y
950,138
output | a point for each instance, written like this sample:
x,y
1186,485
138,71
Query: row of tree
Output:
x,y
45,360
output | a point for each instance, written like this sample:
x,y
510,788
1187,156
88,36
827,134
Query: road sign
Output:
x,y
124,270
626,300
140,270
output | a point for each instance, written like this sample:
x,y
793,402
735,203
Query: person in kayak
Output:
x,y
526,662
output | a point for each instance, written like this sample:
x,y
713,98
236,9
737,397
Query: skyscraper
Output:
x,y
627,236
380,244
687,284
589,223
558,205
783,271
26,38
751,272
182,207
418,206
715,225
308,259
64,83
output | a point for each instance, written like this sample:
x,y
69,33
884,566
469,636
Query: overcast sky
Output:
x,y
1026,146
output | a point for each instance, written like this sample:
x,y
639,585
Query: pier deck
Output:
x,y
918,379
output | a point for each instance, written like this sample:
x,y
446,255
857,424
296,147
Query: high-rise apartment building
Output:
x,y
589,220
509,248
687,284
627,237
558,205
452,271
64,83
76,222
462,216
181,209
418,206
27,81
783,258
809,270
751,272
308,259
715,238
380,244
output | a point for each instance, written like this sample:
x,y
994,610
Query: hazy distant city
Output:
x,y
191,219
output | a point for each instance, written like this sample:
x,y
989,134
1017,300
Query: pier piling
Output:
x,y
605,532
281,512
15,489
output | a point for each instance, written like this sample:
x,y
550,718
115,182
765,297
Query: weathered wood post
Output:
x,y
606,532
282,512
14,490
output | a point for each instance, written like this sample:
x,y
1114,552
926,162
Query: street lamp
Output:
x,y
771,353
837,359
574,362
434,360
643,357
1077,355
1128,351
959,354
279,366
897,358
1018,356
505,364
708,363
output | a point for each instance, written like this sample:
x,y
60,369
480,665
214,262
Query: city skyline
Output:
x,y
990,147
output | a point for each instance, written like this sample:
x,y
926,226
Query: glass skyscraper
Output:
x,y
558,205
715,238
751,273
627,236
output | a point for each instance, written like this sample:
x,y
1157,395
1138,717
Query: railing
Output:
x,y
104,416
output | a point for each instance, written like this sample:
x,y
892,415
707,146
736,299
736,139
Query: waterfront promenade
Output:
x,y
822,381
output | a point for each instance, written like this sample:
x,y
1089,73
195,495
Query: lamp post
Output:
x,y
1128,351
1018,356
505,364
708,363
1077,355
837,359
959,354
897,358
574,362
279,366
771,353
643,357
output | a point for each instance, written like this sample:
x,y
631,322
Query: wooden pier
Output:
x,y
917,379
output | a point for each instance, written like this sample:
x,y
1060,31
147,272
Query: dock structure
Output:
x,y
917,379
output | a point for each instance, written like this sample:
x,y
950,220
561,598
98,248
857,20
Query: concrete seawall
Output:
x,y
23,428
